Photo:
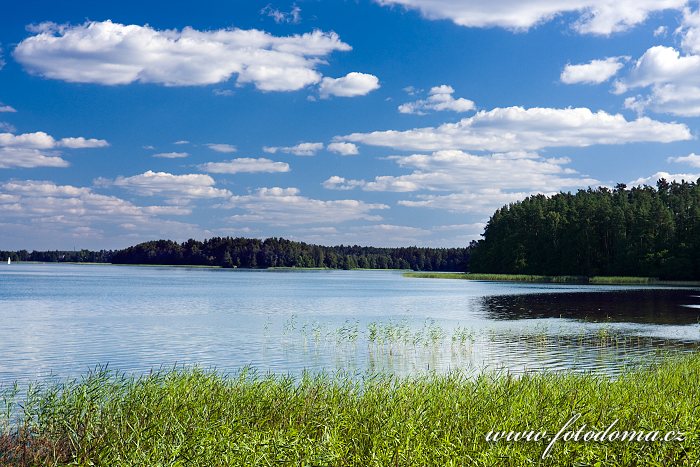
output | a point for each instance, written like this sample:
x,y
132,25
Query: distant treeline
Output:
x,y
255,253
55,256
643,231
278,252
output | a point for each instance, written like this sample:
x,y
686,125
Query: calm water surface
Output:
x,y
62,320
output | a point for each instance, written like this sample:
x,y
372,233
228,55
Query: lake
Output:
x,y
60,320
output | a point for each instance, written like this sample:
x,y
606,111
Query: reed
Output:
x,y
197,417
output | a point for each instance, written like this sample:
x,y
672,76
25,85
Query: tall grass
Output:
x,y
609,280
195,417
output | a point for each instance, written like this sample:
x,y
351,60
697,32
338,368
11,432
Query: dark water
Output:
x,y
62,320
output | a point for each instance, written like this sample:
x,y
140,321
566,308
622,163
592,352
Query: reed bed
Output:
x,y
601,280
198,417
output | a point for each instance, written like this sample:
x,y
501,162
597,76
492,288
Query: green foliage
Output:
x,y
611,280
194,417
643,231
278,252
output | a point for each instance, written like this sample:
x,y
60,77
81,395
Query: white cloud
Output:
x,y
482,202
29,150
112,54
351,85
661,31
652,179
182,141
479,184
286,206
673,80
439,98
6,108
171,155
292,17
340,183
28,158
516,129
223,92
41,140
691,159
593,72
221,147
42,214
601,17
301,149
690,28
344,149
81,143
170,186
245,165
454,170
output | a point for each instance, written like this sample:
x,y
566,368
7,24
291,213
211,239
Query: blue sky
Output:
x,y
385,122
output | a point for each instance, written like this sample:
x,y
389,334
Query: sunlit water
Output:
x,y
62,320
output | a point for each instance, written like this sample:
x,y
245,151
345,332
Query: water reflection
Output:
x,y
66,319
653,306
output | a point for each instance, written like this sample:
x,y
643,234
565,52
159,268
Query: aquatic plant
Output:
x,y
200,418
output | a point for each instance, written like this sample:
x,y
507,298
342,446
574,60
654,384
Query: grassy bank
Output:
x,y
600,280
192,417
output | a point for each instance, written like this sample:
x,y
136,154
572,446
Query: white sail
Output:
x,y
9,261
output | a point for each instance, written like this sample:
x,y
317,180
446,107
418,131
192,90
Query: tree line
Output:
x,y
642,231
255,253
279,252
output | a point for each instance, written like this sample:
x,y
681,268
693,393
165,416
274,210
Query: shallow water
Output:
x,y
63,320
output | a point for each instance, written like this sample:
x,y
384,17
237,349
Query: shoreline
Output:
x,y
542,279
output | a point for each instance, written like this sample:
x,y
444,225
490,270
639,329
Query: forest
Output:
x,y
278,252
260,254
642,231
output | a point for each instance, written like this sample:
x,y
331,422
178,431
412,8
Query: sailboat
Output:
x,y
9,261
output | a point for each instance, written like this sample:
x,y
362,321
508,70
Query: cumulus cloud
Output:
x,y
600,17
301,149
453,170
222,147
487,182
691,159
336,182
516,128
673,81
690,28
28,158
6,108
113,54
171,186
669,177
245,165
42,211
171,155
344,149
351,85
286,206
182,141
41,140
483,201
39,149
292,16
593,72
439,98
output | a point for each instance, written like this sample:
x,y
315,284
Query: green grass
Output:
x,y
194,417
601,280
